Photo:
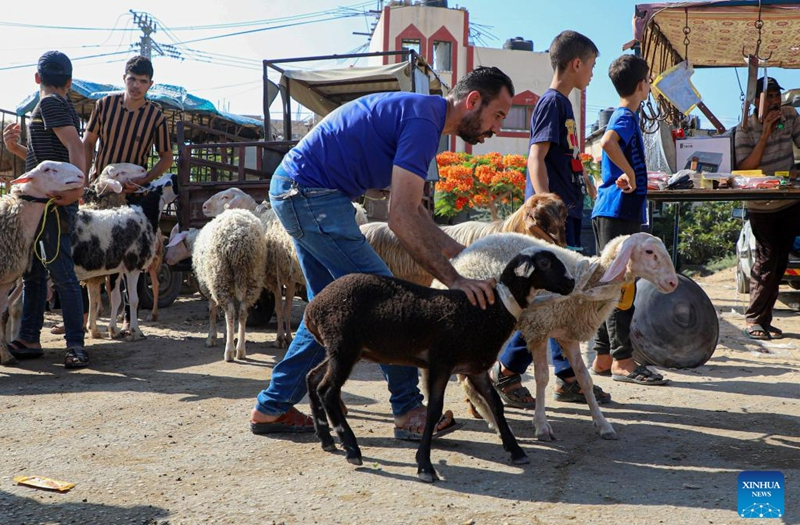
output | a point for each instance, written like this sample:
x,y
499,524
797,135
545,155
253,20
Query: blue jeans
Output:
x,y
329,245
515,355
62,272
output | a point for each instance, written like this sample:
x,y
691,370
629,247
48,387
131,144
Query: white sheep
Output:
x,y
227,199
283,271
283,274
112,179
20,213
228,259
599,283
543,216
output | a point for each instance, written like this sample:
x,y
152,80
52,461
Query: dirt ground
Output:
x,y
156,432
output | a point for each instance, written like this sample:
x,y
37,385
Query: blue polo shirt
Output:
x,y
611,201
354,148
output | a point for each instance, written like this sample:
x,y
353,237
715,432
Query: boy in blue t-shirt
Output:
x,y
553,166
620,210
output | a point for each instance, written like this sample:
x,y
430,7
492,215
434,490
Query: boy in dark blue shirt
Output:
x,y
620,210
553,166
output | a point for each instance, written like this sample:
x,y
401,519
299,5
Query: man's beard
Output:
x,y
470,128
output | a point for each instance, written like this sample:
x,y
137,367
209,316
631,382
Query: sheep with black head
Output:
x,y
390,321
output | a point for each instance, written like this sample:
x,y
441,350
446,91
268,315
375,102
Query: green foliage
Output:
x,y
708,232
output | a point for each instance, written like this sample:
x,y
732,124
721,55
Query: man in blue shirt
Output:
x,y
373,142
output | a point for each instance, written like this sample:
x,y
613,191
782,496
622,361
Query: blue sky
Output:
x,y
227,71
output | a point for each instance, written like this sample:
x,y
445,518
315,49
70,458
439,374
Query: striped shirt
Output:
x,y
127,136
52,111
778,153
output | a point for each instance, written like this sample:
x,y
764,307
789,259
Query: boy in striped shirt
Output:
x,y
52,135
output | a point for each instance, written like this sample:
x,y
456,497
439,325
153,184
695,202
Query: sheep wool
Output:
x,y
17,240
19,220
229,259
578,317
542,216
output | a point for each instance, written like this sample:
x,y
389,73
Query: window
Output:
x,y
518,119
412,44
442,55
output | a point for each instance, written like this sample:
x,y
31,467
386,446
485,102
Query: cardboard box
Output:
x,y
711,154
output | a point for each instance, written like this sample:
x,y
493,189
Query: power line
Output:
x,y
62,28
195,28
250,31
173,50
273,20
73,59
229,86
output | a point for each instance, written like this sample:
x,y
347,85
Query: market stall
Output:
x,y
754,34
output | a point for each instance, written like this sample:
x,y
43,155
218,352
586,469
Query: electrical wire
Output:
x,y
73,59
61,28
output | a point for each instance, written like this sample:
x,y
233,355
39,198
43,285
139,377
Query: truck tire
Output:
x,y
169,288
261,313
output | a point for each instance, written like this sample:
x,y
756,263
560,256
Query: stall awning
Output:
x,y
175,102
322,91
720,31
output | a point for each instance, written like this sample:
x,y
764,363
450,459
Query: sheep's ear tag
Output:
x,y
524,268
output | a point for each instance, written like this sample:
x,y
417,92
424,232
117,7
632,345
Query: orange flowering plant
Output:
x,y
491,181
591,166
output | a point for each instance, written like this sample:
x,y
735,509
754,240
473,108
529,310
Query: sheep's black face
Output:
x,y
550,273
536,269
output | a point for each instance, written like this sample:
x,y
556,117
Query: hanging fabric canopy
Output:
x,y
175,101
720,31
324,90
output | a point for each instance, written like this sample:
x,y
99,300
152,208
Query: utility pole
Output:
x,y
146,44
148,26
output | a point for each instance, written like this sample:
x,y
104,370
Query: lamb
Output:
x,y
20,213
230,198
228,259
106,242
165,185
233,198
387,320
543,216
283,271
283,274
577,318
106,193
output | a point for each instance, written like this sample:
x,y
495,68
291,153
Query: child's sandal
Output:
x,y
76,358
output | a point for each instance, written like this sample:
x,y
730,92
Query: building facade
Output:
x,y
441,35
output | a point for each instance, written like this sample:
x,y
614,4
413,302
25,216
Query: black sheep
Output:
x,y
391,321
